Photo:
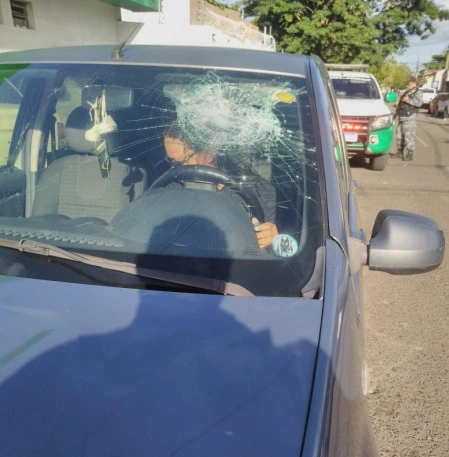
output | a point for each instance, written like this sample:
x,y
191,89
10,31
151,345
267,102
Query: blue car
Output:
x,y
180,256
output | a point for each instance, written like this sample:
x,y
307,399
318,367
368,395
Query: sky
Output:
x,y
420,51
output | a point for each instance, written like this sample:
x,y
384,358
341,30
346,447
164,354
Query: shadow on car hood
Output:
x,y
99,371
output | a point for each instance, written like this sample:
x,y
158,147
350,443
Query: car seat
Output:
x,y
74,185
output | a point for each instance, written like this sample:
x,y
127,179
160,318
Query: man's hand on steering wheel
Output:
x,y
265,232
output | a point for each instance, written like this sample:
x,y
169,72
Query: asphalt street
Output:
x,y
407,317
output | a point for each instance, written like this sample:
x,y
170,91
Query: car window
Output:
x,y
93,140
355,88
11,88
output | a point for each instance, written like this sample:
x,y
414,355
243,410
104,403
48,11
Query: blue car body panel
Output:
x,y
93,370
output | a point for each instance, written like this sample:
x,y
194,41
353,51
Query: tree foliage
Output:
x,y
345,31
397,20
391,74
222,5
438,61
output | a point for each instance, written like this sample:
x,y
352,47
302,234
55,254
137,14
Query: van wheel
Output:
x,y
378,163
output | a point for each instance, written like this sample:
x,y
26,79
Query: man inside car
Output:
x,y
180,154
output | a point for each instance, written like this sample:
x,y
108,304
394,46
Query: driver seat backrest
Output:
x,y
73,185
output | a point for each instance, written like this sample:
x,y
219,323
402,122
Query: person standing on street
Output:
x,y
407,108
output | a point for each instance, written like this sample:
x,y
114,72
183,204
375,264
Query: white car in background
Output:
x,y
428,94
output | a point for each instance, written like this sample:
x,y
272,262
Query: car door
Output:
x,y
339,420
27,130
12,139
350,431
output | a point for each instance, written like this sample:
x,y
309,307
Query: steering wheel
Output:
x,y
210,175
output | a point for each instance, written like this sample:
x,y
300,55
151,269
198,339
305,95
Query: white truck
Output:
x,y
367,120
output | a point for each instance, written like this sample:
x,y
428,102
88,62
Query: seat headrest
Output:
x,y
77,123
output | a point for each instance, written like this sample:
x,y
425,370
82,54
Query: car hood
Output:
x,y
361,107
101,371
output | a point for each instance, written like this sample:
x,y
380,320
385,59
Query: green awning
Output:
x,y
135,5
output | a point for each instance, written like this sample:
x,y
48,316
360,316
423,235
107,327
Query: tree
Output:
x,y
397,20
222,5
345,31
438,61
337,31
391,74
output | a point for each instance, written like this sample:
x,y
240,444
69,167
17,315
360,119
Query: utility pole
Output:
x,y
444,85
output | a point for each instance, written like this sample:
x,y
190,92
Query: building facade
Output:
x,y
436,79
46,23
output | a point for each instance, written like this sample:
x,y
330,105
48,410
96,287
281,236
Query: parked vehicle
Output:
x,y
367,120
433,104
428,94
443,107
138,314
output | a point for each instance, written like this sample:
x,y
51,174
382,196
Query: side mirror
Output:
x,y
405,243
391,97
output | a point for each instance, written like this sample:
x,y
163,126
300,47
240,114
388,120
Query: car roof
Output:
x,y
188,56
350,74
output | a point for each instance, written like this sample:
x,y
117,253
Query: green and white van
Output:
x,y
367,120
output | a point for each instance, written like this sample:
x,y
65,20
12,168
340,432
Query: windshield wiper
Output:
x,y
47,250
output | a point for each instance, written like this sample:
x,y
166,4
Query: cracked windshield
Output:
x,y
208,173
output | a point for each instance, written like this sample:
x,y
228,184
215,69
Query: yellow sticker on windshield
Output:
x,y
285,97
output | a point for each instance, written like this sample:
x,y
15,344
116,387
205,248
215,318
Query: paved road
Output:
x,y
407,317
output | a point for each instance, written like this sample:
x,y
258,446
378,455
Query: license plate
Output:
x,y
351,137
